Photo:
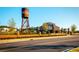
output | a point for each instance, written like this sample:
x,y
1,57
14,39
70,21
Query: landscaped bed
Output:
x,y
28,36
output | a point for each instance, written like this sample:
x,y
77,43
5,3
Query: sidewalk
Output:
x,y
28,39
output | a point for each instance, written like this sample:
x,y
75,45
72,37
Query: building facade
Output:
x,y
52,28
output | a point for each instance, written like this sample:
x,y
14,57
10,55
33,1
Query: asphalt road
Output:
x,y
43,45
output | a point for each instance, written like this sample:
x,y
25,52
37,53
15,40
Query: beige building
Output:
x,y
7,29
52,27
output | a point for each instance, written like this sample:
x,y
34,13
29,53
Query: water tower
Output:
x,y
25,19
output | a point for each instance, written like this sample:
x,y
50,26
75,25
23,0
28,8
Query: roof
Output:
x,y
50,23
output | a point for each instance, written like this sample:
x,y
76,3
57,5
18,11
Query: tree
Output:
x,y
45,26
73,28
62,30
11,23
32,29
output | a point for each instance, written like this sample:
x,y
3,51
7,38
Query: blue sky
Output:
x,y
61,16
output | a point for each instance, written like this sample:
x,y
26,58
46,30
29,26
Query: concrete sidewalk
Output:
x,y
27,39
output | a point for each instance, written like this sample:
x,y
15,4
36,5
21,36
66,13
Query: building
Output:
x,y
48,27
7,29
52,28
4,29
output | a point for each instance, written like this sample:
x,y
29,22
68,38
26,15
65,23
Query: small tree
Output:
x,y
62,30
45,27
32,29
68,30
73,28
11,23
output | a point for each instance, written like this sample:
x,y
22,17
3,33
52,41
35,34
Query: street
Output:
x,y
43,45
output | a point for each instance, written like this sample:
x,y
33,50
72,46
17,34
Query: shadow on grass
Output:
x,y
41,47
10,47
50,47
